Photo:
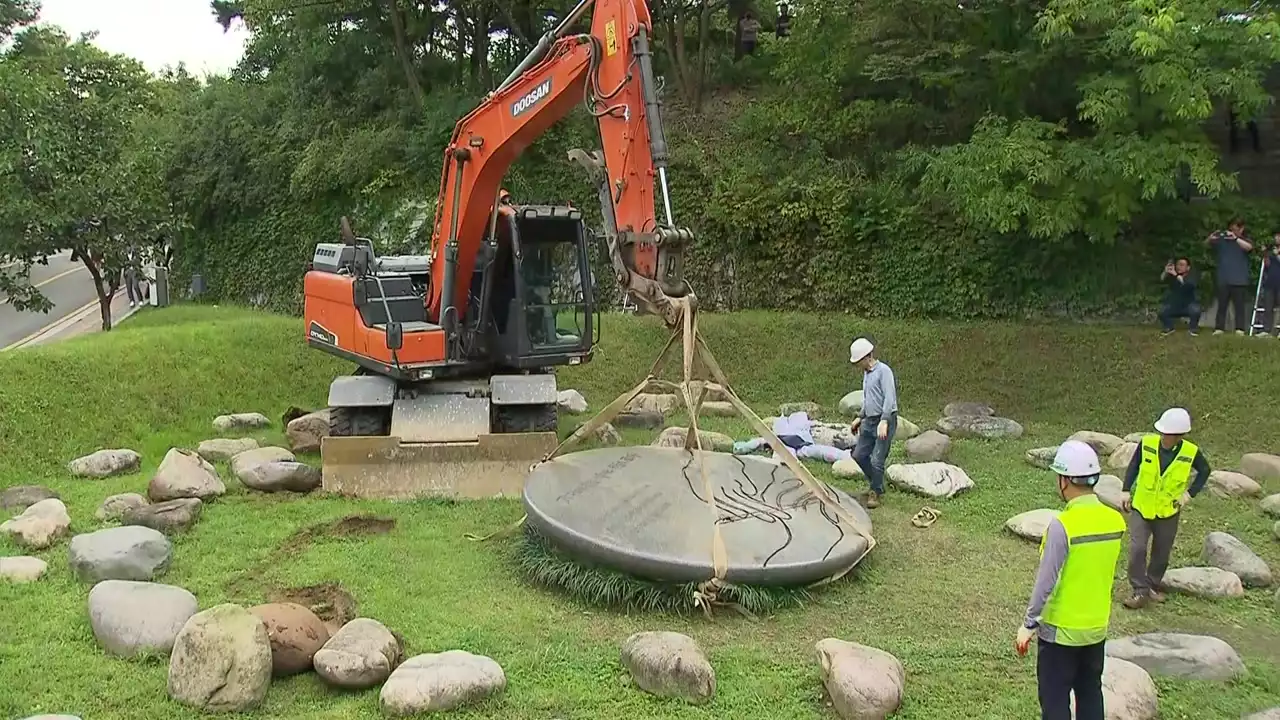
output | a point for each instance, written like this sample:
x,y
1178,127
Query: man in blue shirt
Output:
x,y
1232,250
878,420
1270,288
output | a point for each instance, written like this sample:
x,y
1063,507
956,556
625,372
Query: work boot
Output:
x,y
1157,596
1137,602
1166,333
873,500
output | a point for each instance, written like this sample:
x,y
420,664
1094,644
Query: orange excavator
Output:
x,y
454,392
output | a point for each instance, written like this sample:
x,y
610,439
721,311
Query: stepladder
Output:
x,y
1259,316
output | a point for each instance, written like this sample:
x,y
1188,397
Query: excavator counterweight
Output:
x,y
454,391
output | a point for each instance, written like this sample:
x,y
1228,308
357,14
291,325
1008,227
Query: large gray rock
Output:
x,y
1102,443
717,408
930,446
1109,490
360,655
1261,466
571,401
808,407
1128,692
1135,437
1225,551
1192,657
1271,505
171,517
240,421
847,468
1031,525
932,479
669,664
674,437
864,683
39,526
115,506
1272,714
132,618
1205,582
105,463
958,409
240,464
221,661
22,569
130,552
1042,457
281,477
646,420
184,474
834,434
306,432
296,634
1119,460
906,429
851,404
223,449
21,497
436,682
663,404
1227,484
979,426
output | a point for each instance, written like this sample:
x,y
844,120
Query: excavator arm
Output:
x,y
610,71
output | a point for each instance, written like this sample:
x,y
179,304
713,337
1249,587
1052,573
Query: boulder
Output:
x,y
847,469
571,401
1102,443
979,426
929,446
1271,505
717,408
932,479
1261,466
306,432
115,506
21,497
105,463
1135,437
906,429
962,409
1119,460
1205,582
1229,553
1109,490
1227,484
1128,692
834,434
1032,524
864,683
668,664
607,434
810,408
1191,657
134,618
184,474
1272,714
1042,457
281,477
221,661
249,458
40,525
223,449
171,517
440,681
851,404
646,420
296,635
360,655
240,421
22,569
130,552
664,404
674,437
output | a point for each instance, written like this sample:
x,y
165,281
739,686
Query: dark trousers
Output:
x,y
1238,295
1270,300
1146,573
1061,669
1169,312
871,452
131,285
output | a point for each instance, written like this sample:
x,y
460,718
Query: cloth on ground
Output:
x,y
796,432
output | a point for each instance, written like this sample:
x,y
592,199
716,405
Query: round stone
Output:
x,y
643,510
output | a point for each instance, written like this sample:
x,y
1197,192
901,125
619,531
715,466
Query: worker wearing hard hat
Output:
x,y
1070,607
878,420
1157,486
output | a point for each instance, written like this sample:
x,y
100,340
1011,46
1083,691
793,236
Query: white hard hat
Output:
x,y
1174,421
1076,459
859,349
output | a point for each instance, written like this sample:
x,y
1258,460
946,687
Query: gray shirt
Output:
x,y
1233,260
879,391
1055,556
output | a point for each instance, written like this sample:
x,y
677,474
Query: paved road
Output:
x,y
67,285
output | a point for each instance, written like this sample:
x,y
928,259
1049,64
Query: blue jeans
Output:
x,y
871,452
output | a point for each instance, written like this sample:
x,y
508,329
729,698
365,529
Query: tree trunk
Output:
x,y
704,32
100,286
402,52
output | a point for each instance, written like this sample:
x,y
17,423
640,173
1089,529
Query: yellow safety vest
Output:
x,y
1079,607
1154,492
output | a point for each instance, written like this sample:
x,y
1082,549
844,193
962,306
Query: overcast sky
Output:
x,y
156,32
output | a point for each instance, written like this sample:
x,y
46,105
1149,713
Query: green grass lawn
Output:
x,y
946,600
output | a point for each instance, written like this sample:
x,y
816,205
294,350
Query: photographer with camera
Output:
x,y
1179,296
1270,287
1232,248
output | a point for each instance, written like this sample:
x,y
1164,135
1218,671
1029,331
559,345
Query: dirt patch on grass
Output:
x,y
329,601
351,526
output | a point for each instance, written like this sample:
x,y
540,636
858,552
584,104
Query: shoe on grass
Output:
x,y
1217,332
1137,602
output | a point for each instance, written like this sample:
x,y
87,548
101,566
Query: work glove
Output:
x,y
1023,641
882,431
1126,502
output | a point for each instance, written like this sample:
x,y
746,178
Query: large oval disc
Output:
x,y
643,510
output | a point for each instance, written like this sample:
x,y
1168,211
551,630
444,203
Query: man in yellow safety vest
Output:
x,y
1156,487
1070,607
